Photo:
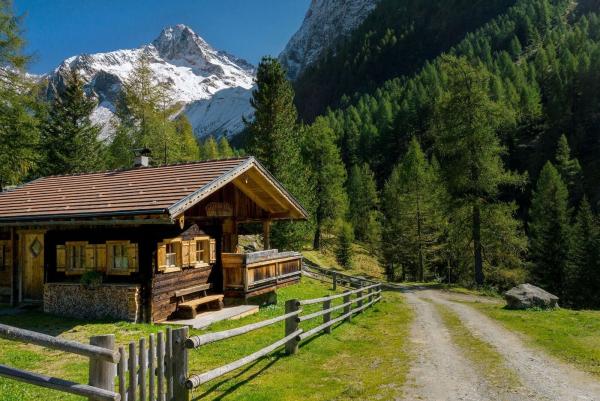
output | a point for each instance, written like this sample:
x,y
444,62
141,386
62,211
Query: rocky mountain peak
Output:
x,y
180,41
325,22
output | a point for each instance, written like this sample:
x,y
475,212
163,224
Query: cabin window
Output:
x,y
5,255
171,254
75,257
200,250
122,257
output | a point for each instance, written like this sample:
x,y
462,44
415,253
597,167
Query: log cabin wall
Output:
x,y
164,286
6,265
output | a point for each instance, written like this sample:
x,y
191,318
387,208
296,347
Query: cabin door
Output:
x,y
32,265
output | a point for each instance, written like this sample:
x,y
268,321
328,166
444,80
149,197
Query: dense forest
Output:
x,y
458,141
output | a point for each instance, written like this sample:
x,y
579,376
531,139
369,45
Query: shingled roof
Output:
x,y
168,189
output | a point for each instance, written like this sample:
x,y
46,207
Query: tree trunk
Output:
x,y
477,245
317,239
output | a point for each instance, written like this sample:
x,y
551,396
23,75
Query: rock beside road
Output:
x,y
526,296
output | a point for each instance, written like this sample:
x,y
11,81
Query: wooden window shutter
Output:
x,y
178,253
90,257
213,251
192,249
61,258
101,257
132,257
161,256
185,253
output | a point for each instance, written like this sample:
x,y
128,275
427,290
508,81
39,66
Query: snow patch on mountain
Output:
x,y
212,86
326,21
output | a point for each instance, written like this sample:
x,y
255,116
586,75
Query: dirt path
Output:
x,y
440,372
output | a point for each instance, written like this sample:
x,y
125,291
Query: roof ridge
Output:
x,y
141,168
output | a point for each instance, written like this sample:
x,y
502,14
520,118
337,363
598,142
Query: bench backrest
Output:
x,y
191,290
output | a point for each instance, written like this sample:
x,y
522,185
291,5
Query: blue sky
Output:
x,y
57,29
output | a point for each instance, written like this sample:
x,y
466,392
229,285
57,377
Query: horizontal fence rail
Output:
x,y
102,363
44,340
354,301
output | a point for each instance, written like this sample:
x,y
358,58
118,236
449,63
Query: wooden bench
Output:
x,y
188,309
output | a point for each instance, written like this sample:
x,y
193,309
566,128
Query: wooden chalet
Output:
x,y
163,240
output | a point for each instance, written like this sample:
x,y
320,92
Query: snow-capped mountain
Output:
x,y
325,22
213,87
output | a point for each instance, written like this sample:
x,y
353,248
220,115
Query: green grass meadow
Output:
x,y
365,359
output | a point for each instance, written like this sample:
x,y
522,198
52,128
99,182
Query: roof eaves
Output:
x,y
184,204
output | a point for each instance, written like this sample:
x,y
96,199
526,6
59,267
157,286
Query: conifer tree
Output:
x,y
186,147
413,221
549,230
19,110
343,252
225,149
569,169
465,123
328,176
582,287
70,140
364,200
209,149
274,139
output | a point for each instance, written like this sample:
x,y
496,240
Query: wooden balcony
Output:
x,y
248,274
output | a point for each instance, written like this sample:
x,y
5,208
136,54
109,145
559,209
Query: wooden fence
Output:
x,y
100,352
156,368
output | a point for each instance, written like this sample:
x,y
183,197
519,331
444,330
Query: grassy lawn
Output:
x,y
364,359
365,264
573,336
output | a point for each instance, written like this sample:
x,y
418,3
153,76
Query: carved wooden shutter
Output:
x,y
61,258
178,253
132,257
101,257
185,253
192,249
213,251
90,257
161,256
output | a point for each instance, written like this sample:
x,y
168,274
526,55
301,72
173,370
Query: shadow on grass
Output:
x,y
45,323
234,387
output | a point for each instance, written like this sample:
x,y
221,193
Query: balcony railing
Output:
x,y
250,271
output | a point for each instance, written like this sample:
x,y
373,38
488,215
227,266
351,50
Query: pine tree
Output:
x,y
19,109
582,287
274,139
465,123
549,231
413,221
327,175
70,140
569,169
344,253
364,200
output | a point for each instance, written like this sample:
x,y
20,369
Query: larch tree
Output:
x,y
328,175
363,201
413,219
19,109
225,149
465,124
209,149
70,141
274,139
549,231
569,169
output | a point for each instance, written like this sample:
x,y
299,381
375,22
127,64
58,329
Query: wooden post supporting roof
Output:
x,y
267,234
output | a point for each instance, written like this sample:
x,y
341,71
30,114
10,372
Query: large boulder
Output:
x,y
527,296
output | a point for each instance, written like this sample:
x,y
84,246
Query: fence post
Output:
x,y
180,365
327,316
291,325
334,277
347,308
101,373
358,295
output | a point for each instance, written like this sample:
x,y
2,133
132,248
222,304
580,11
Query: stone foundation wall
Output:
x,y
107,301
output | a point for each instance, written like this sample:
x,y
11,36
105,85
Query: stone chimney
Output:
x,y
142,157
